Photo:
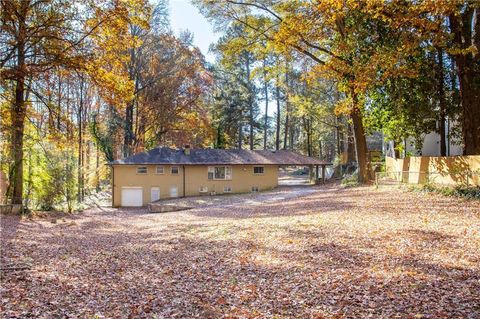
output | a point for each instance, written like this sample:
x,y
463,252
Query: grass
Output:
x,y
468,192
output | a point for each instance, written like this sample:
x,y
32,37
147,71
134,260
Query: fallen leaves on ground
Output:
x,y
327,253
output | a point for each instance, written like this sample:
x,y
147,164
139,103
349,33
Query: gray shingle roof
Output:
x,y
165,155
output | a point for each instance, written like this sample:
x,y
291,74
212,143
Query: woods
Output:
x,y
84,83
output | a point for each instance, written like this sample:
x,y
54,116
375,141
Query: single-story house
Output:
x,y
167,173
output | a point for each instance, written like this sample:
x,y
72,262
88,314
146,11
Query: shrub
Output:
x,y
350,180
470,192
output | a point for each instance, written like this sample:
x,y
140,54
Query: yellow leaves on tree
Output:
x,y
112,38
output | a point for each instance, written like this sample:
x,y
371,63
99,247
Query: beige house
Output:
x,y
167,173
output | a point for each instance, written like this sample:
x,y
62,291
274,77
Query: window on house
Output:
x,y
220,172
174,170
141,170
160,170
254,189
227,189
258,170
203,189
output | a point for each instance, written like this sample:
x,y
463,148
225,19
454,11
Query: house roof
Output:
x,y
166,155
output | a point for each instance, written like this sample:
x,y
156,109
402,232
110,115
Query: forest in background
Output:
x,y
86,82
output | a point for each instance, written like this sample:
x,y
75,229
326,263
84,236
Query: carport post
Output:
x,y
323,173
317,175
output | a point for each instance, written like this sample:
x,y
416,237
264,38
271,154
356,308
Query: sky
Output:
x,y
185,16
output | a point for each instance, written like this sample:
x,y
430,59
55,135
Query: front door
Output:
x,y
154,194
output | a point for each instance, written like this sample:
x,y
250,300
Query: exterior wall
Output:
x,y
242,179
431,146
126,175
196,176
448,170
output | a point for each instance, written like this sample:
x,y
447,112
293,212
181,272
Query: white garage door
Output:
x,y
132,196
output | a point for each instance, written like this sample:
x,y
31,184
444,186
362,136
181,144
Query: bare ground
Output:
x,y
329,253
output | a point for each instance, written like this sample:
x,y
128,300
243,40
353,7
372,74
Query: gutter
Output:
x,y
183,170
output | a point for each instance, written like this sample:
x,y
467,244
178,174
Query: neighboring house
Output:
x,y
431,144
166,173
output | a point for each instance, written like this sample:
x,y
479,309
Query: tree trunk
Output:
x,y
240,135
442,104
250,104
285,136
309,138
127,140
80,145
360,141
307,126
468,69
350,142
320,149
291,133
277,135
18,113
265,124
97,167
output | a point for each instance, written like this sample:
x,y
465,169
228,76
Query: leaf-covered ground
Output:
x,y
330,253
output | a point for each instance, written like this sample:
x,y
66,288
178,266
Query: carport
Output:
x,y
286,159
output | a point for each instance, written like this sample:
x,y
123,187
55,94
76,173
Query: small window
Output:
x,y
141,170
228,172
258,170
211,172
174,170
227,189
254,189
203,189
160,170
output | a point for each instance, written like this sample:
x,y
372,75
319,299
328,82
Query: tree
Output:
x,y
464,20
237,65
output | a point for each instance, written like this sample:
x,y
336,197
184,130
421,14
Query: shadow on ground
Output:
x,y
319,255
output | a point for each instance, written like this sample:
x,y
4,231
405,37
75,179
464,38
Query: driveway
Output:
x,y
278,194
323,252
